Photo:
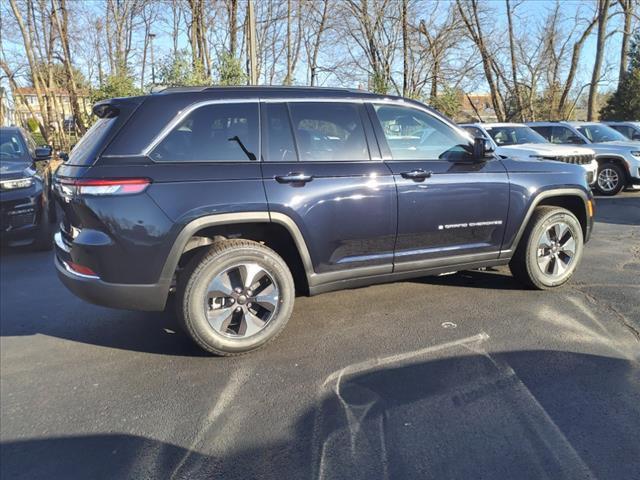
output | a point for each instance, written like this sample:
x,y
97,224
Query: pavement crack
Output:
x,y
621,317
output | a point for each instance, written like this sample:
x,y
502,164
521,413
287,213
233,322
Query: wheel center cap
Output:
x,y
242,299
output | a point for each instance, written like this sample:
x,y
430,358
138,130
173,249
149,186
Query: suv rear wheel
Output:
x,y
611,179
235,297
549,250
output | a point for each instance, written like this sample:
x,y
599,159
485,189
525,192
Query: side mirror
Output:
x,y
575,140
63,156
635,136
44,152
482,148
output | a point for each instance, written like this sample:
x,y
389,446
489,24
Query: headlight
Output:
x,y
636,154
16,183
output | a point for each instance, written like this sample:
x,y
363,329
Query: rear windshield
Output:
x,y
85,151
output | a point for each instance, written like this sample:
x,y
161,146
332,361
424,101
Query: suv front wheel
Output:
x,y
235,297
550,249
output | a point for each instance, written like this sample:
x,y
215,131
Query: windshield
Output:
x,y
12,146
601,133
514,135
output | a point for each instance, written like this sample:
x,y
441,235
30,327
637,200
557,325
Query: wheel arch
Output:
x,y
573,199
616,159
277,231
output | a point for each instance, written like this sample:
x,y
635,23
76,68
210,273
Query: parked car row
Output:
x,y
609,153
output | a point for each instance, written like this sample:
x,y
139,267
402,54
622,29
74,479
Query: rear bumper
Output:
x,y
114,295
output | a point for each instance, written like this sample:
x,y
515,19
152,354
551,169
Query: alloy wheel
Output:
x,y
556,250
241,300
608,179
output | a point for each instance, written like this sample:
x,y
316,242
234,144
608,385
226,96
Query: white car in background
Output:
x,y
618,157
631,130
519,142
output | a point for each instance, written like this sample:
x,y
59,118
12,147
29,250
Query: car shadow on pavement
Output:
x,y
489,278
521,414
608,209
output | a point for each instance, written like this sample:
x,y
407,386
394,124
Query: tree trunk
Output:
x,y
233,27
603,12
627,10
62,26
405,50
575,59
35,74
514,71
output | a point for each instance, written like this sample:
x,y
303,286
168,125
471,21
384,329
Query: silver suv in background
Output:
x,y
631,130
618,157
519,142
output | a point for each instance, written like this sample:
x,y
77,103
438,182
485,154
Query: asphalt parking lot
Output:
x,y
460,376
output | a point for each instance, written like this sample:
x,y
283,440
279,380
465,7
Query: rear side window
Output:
x,y
225,132
329,131
562,135
278,144
85,151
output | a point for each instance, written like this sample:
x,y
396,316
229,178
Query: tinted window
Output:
x,y
601,133
12,146
415,135
624,130
85,150
226,132
561,135
278,137
544,131
514,135
329,131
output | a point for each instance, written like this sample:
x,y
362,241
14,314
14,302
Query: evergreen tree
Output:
x,y
624,104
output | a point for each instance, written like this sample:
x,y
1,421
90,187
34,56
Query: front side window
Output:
x,y
561,135
225,132
514,135
415,135
601,133
329,131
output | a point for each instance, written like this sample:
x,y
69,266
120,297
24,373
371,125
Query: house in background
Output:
x,y
26,99
477,103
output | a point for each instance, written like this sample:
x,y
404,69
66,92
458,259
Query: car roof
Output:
x,y
275,90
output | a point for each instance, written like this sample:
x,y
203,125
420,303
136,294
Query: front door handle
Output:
x,y
294,177
418,174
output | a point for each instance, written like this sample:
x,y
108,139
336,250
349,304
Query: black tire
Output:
x,y
606,172
223,256
525,265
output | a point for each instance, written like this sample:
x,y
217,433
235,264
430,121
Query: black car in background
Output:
x,y
26,209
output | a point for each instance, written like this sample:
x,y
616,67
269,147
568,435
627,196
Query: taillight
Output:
x,y
97,187
81,269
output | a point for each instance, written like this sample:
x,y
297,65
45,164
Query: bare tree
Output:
x,y
317,22
471,16
603,15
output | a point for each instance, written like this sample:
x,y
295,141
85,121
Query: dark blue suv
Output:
x,y
234,199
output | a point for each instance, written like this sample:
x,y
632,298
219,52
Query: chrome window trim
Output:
x,y
190,108
181,115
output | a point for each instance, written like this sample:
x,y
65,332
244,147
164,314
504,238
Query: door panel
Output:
x,y
459,210
448,205
345,210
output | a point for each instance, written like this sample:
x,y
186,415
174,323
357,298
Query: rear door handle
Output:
x,y
416,174
294,177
